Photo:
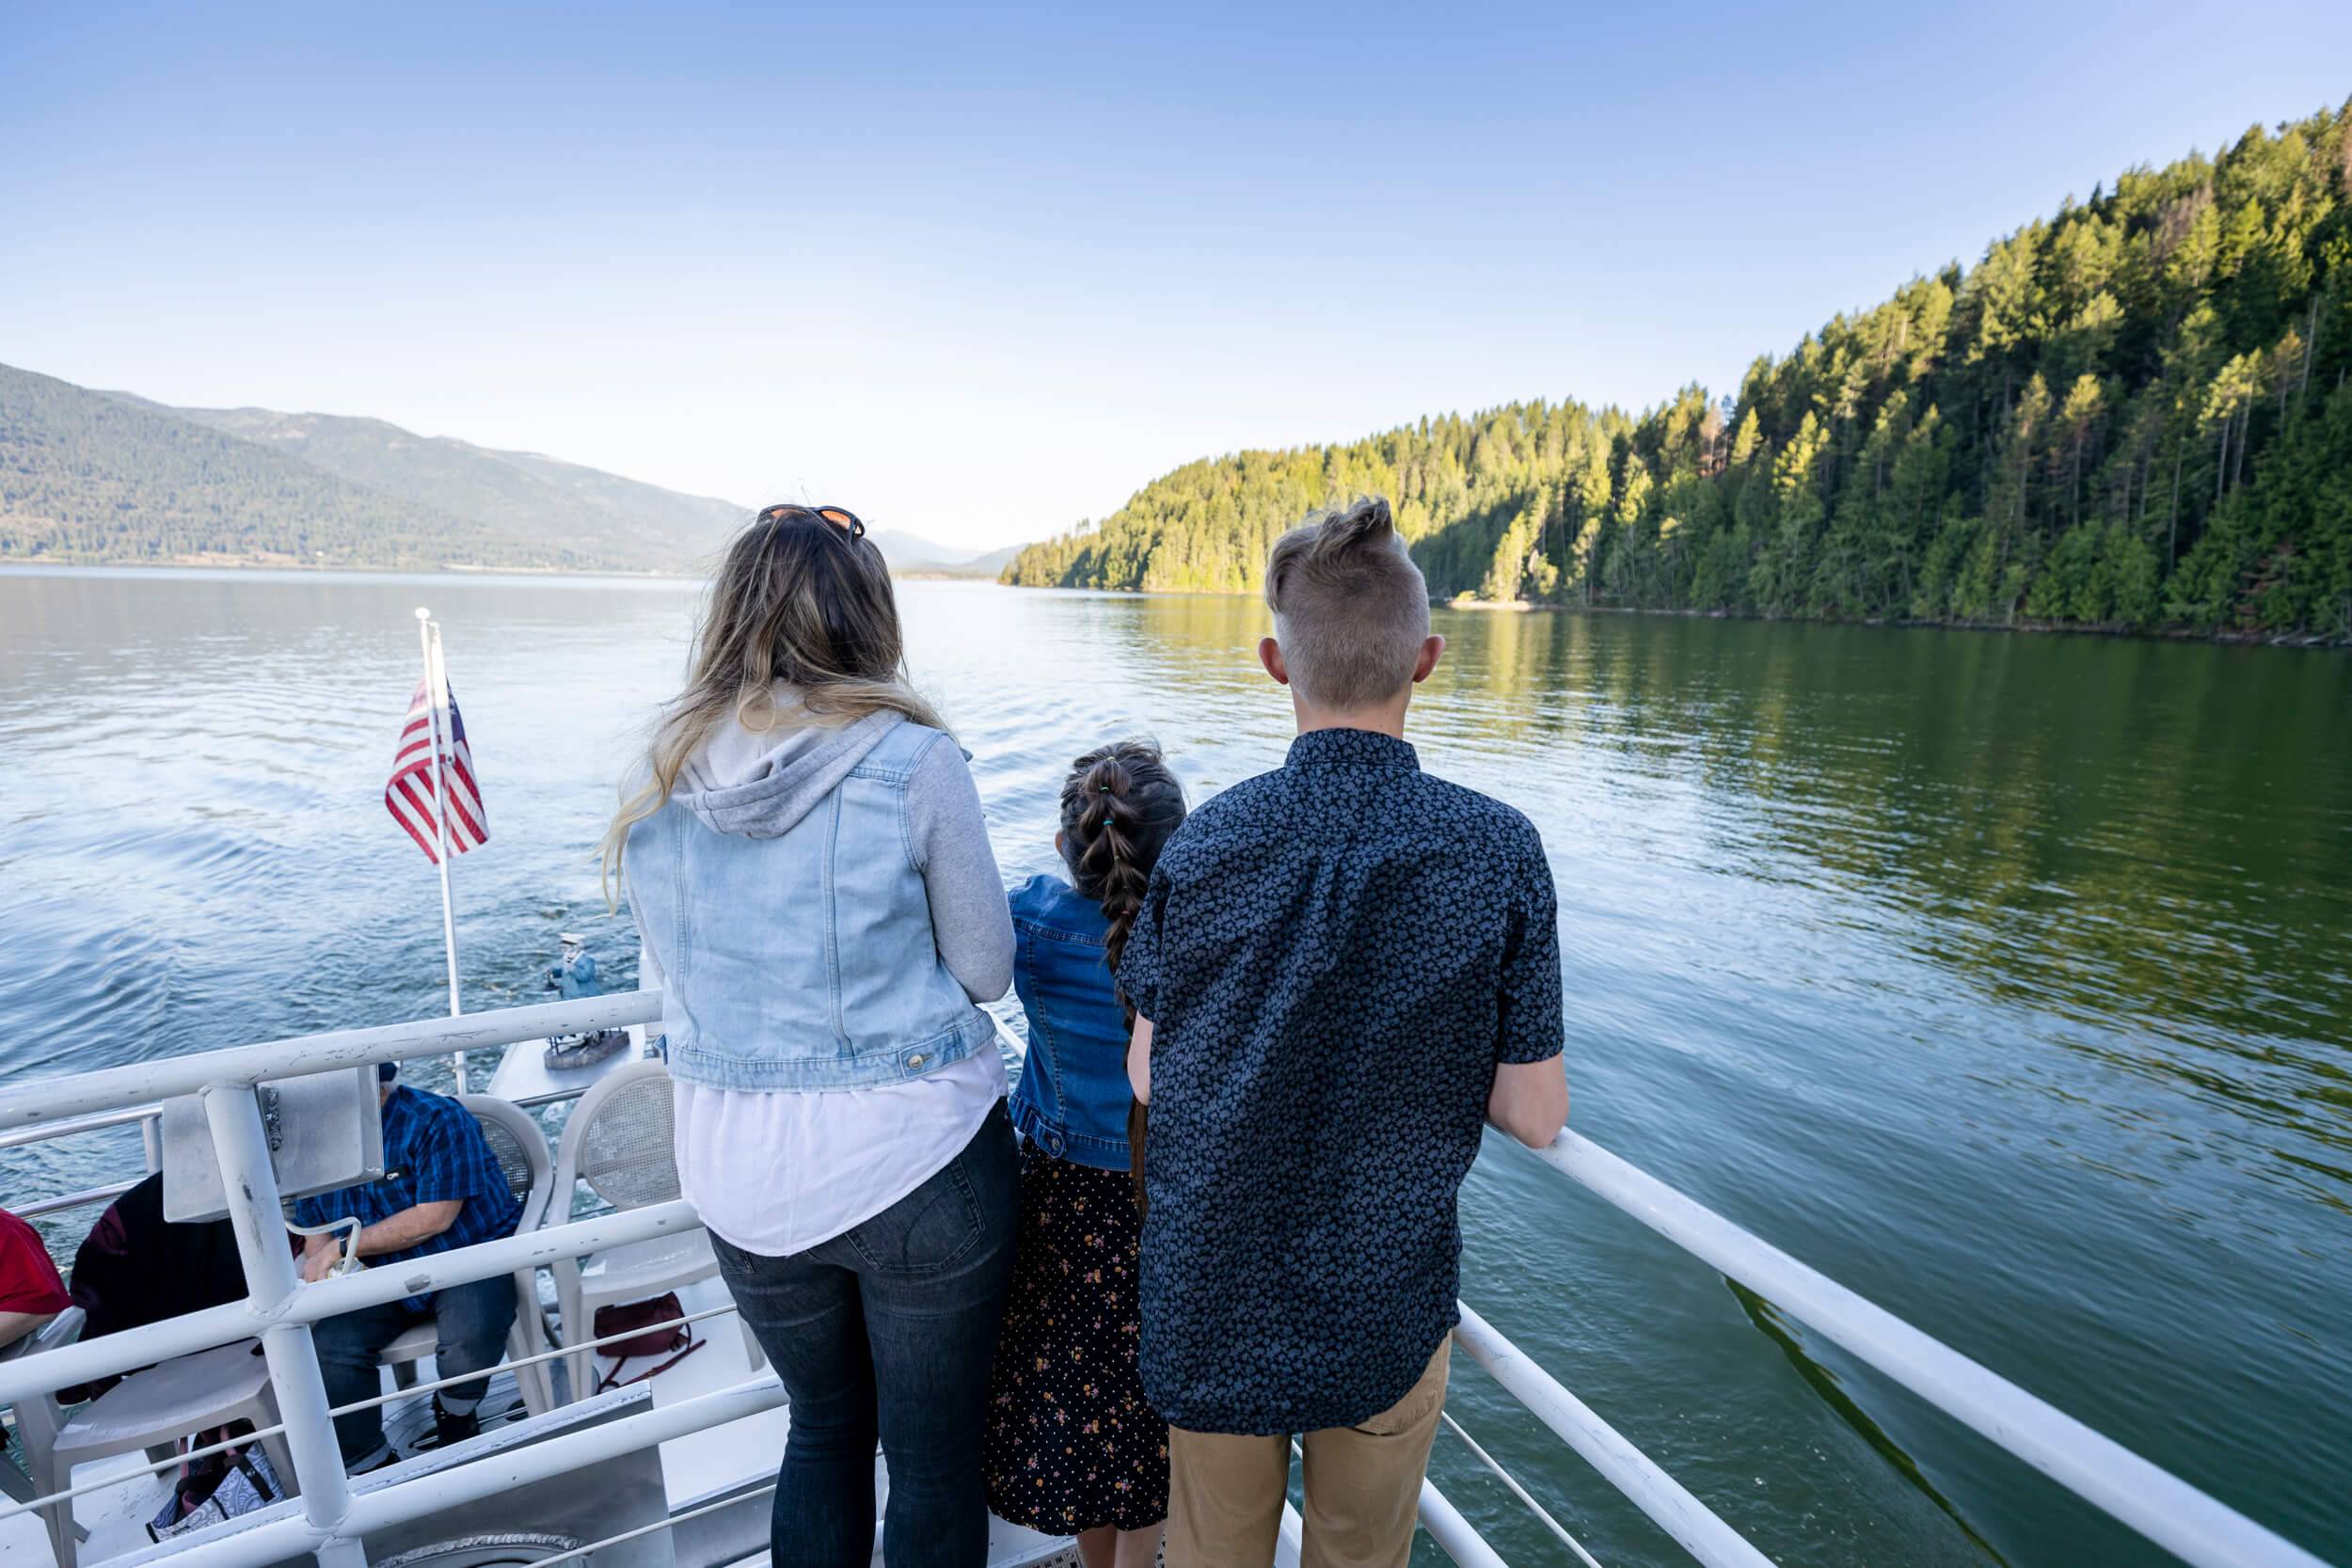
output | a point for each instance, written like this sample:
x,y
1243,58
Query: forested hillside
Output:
x,y
598,517
2133,414
89,476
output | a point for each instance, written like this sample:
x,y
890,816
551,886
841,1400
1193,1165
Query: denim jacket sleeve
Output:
x,y
948,837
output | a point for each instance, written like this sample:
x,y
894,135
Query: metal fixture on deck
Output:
x,y
320,1133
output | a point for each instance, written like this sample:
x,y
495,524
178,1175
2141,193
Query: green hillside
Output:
x,y
88,477
517,495
2134,415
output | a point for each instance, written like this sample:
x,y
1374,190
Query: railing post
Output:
x,y
255,1213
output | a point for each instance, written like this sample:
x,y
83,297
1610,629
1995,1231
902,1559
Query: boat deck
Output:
x,y
676,1469
698,1469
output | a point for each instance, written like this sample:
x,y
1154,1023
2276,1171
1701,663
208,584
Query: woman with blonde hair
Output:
x,y
810,873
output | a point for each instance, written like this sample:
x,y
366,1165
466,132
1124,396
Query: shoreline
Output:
x,y
217,567
2049,628
1482,607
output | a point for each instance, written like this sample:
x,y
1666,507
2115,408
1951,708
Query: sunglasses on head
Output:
x,y
839,516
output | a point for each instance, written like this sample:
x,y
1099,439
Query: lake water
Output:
x,y
2003,978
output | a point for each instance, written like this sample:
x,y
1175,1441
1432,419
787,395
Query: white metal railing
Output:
x,y
1702,1533
331,1518
72,1125
1527,1499
2194,1527
146,1118
405,1391
88,1198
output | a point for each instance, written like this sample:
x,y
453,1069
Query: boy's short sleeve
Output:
x,y
1531,1026
1138,973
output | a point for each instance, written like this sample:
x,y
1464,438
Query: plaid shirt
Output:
x,y
433,1151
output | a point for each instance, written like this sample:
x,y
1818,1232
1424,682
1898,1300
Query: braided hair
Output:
x,y
1118,807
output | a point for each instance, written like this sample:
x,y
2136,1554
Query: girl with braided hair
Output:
x,y
1073,1448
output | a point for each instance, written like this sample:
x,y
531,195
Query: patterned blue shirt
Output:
x,y
433,1151
1334,957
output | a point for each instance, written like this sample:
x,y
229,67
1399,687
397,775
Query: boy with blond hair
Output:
x,y
1342,969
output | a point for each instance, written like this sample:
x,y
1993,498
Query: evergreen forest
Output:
x,y
2134,415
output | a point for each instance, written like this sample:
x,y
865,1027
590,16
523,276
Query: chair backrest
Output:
x,y
618,1141
521,1149
40,1419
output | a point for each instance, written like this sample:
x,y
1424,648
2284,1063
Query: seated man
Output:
x,y
30,1292
441,1188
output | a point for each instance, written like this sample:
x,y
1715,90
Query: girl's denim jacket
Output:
x,y
793,926
1071,1100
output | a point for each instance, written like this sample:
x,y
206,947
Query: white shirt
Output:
x,y
777,1172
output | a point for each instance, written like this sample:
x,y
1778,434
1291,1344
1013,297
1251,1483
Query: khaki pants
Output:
x,y
1363,1487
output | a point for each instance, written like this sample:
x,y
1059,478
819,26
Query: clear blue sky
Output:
x,y
982,275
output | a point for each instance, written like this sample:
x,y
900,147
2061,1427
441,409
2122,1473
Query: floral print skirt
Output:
x,y
1073,1443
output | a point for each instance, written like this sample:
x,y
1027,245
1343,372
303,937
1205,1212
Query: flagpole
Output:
x,y
436,697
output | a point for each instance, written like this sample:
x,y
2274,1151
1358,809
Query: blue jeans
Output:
x,y
472,1321
888,1330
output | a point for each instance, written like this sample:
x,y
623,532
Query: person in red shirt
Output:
x,y
31,1292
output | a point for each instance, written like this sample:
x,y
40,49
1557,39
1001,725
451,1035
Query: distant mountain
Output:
x,y
994,561
89,476
94,476
521,496
911,556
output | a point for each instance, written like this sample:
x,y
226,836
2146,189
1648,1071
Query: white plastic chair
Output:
x,y
15,1485
522,1150
618,1141
186,1394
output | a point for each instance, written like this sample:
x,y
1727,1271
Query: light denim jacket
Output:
x,y
1073,1097
827,922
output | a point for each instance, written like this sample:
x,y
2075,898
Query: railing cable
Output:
x,y
1518,1491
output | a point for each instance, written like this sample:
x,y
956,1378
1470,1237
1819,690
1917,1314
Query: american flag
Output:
x,y
408,793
